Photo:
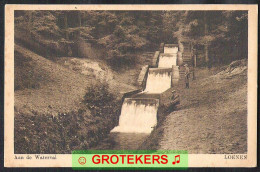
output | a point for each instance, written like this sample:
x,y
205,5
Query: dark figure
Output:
x,y
187,76
173,95
175,100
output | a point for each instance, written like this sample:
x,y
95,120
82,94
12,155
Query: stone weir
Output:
x,y
139,112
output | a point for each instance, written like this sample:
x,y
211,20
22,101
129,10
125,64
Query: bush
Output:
x,y
65,132
44,133
100,102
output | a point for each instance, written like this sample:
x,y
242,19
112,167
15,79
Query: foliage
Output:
x,y
101,102
43,133
82,129
222,34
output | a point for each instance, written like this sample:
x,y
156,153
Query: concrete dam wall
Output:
x,y
139,110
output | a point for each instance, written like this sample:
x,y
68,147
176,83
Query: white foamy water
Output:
x,y
140,115
173,50
158,82
137,116
167,61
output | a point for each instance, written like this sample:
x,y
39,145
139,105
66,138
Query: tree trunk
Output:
x,y
206,53
79,17
30,22
30,17
66,26
206,42
195,60
84,20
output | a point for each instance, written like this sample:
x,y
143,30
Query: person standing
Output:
x,y
187,76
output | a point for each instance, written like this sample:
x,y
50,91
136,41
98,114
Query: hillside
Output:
x,y
58,109
212,117
44,86
96,69
119,81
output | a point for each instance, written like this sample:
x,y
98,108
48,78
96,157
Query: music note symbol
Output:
x,y
178,161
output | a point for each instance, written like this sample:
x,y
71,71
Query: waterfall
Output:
x,y
158,80
172,50
167,60
138,116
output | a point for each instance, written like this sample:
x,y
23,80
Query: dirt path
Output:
x,y
212,117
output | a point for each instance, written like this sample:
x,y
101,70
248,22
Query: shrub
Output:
x,y
101,102
64,132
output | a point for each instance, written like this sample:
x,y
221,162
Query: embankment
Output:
x,y
212,117
58,110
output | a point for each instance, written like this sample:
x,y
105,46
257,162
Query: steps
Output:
x,y
187,58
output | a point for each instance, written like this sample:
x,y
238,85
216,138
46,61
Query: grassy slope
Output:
x,y
212,117
56,89
49,115
50,87
96,69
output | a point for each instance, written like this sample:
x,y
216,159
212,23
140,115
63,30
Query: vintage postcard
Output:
x,y
130,86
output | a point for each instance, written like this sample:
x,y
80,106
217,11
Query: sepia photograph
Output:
x,y
131,80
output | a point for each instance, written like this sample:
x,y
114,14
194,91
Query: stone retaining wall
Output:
x,y
142,76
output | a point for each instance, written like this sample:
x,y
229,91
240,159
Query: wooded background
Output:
x,y
219,37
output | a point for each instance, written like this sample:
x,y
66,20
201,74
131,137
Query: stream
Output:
x,y
122,141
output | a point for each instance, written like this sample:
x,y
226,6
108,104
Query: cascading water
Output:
x,y
167,60
158,80
172,50
138,116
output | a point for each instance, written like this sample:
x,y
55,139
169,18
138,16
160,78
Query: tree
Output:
x,y
222,34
